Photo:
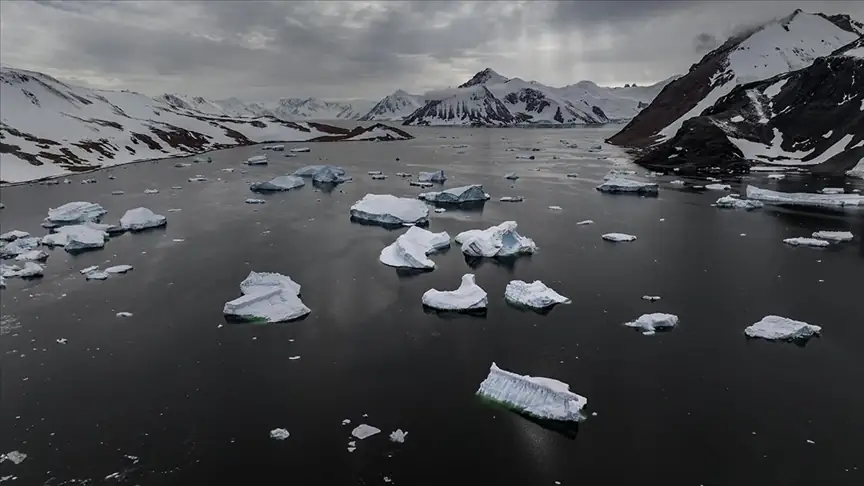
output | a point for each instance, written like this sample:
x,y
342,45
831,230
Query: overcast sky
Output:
x,y
341,50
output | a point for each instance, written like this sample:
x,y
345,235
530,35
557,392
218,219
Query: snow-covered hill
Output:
x,y
395,107
471,106
316,109
777,47
812,117
48,128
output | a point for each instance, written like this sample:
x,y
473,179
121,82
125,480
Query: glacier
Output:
x,y
543,398
387,209
497,241
468,297
410,249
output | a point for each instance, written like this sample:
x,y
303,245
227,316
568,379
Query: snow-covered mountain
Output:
x,y
394,107
316,109
48,128
777,47
812,117
489,98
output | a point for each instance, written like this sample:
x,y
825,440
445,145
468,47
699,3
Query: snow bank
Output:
x,y
267,297
535,295
390,210
497,241
781,328
620,185
469,296
281,183
456,195
140,219
544,398
410,249
803,198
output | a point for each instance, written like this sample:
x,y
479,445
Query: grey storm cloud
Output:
x,y
340,50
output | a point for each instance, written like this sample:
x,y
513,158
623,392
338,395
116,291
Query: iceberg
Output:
x,y
19,246
620,185
469,296
74,213
390,210
731,202
301,149
279,434
410,249
398,436
29,270
618,237
257,160
325,174
834,235
281,183
14,235
140,219
543,398
804,198
118,269
251,200
776,328
806,242
496,241
511,199
96,275
14,457
437,176
77,237
650,323
363,431
535,295
32,256
718,187
456,195
267,297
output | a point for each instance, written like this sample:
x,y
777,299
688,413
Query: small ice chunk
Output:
x,y
806,242
267,297
181,165
140,219
737,119
117,193
14,235
731,202
456,195
651,298
275,148
410,249
176,188
587,221
776,177
279,434
403,174
804,199
621,185
781,328
85,271
124,314
387,209
512,199
374,172
199,160
511,176
257,160
678,182
556,208
617,173
277,184
197,179
379,177
618,237
14,457
420,184
74,212
398,436
301,149
650,323
62,341
573,175
118,269
535,295
363,431
151,191
718,187
19,246
32,256
29,270
346,421
252,200
96,275
544,398
497,241
469,296
832,190
834,235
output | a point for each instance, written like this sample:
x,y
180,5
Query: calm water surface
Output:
x,y
193,398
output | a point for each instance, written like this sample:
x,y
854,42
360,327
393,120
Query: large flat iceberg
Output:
x,y
804,198
535,295
74,213
457,195
77,237
543,398
621,185
650,323
834,235
806,242
276,184
469,296
267,297
778,328
410,249
140,219
324,174
390,210
497,241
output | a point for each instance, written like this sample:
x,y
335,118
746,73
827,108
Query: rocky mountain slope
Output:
x,y
777,47
395,107
812,117
48,128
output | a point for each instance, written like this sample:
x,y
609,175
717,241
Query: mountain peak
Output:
x,y
486,76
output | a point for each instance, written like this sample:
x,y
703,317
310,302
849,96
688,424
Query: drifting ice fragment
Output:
x,y
363,431
275,148
76,238
403,174
781,328
197,179
804,199
32,256
440,210
649,323
556,208
139,219
718,187
469,296
500,241
512,199
620,185
325,174
832,190
301,149
14,457
543,398
118,269
96,275
73,213
390,210
374,172
117,193
276,184
87,270
617,173
251,200
618,237
263,281
29,270
776,177
419,184
199,160
587,221
511,176
398,436
410,249
437,176
151,191
257,160
573,175
806,242
14,235
535,295
651,298
456,195
677,183
124,314
279,434
730,202
834,235
268,297
19,246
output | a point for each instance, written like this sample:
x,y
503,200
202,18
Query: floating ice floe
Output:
x,y
618,237
14,235
511,199
511,176
398,436
279,434
151,191
275,148
620,185
140,219
650,323
267,297
535,295
437,176
19,246
96,275
497,241
14,457
324,174
390,210
804,198
181,165
469,296
32,256
730,202
197,179
677,183
117,193
617,173
525,157
718,187
440,210
29,270
124,314
456,195
556,208
199,160
832,190
776,328
118,269
379,177
364,431
543,398
257,160
77,237
301,149
410,249
252,200
651,298
584,222
420,184
74,213
834,235
403,174
806,242
277,184
374,172
776,177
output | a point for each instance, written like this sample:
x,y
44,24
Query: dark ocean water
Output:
x,y
193,398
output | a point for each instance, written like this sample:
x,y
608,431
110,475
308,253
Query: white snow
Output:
x,y
268,297
718,187
834,235
377,133
469,296
804,199
858,170
437,176
497,241
535,295
618,237
781,328
410,249
736,203
398,436
279,434
618,184
806,242
75,212
389,209
280,183
140,219
828,134
775,154
96,275
545,398
363,431
456,195
394,107
649,323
